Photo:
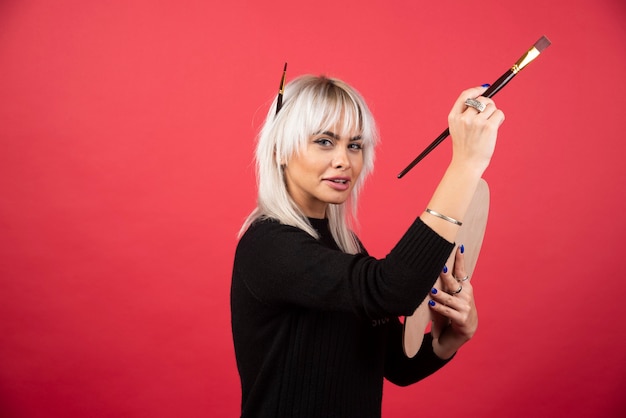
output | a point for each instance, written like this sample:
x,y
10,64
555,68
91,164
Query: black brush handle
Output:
x,y
499,83
490,92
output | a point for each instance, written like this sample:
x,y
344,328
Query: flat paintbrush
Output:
x,y
281,90
530,55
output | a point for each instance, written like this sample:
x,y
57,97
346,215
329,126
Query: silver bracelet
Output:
x,y
444,217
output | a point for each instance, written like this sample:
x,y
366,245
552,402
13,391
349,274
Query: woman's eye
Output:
x,y
324,142
356,146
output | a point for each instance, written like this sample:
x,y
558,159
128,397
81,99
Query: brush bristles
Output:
x,y
542,44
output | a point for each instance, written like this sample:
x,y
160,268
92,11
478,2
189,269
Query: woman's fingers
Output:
x,y
455,297
451,279
474,132
459,263
460,106
459,308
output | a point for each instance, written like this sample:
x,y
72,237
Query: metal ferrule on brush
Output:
x,y
525,60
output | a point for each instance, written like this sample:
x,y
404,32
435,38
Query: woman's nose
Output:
x,y
340,158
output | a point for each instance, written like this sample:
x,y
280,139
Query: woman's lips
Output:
x,y
338,183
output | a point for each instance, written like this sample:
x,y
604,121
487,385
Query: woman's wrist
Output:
x,y
468,168
446,346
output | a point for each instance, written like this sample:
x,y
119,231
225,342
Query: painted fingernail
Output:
x,y
433,291
445,269
462,248
486,85
431,302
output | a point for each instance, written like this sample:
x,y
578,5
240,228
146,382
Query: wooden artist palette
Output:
x,y
471,235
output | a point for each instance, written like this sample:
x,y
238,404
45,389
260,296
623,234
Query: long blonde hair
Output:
x,y
310,104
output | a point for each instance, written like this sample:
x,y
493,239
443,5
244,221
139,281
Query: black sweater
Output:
x,y
315,329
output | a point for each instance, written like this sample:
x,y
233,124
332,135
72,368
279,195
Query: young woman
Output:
x,y
314,317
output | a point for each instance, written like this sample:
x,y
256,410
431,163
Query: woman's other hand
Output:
x,y
453,301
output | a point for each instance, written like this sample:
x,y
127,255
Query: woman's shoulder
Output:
x,y
269,239
268,230
264,225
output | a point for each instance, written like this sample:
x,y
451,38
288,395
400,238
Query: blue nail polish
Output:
x,y
431,302
445,269
433,291
486,85
462,248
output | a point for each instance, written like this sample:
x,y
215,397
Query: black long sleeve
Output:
x,y
315,329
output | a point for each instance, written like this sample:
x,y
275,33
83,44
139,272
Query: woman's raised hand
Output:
x,y
473,131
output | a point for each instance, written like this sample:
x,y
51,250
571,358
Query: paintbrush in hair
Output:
x,y
281,90
530,55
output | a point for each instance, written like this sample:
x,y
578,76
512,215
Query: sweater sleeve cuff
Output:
x,y
429,354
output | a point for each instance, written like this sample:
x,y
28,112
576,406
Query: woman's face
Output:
x,y
324,171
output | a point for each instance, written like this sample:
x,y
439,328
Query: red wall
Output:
x,y
127,132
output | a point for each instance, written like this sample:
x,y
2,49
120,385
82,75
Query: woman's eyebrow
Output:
x,y
335,136
331,134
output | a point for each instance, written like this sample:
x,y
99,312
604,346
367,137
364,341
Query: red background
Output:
x,y
127,132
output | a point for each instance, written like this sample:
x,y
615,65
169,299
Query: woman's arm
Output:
x,y
456,324
473,141
285,266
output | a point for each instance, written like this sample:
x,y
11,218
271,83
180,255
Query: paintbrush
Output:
x,y
530,55
281,90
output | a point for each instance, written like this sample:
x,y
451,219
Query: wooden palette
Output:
x,y
471,235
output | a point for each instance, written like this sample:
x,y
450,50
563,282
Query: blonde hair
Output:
x,y
310,104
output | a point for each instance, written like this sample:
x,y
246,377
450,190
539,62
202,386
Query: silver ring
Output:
x,y
458,290
464,279
480,106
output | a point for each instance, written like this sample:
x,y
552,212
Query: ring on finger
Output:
x,y
458,290
464,279
480,106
